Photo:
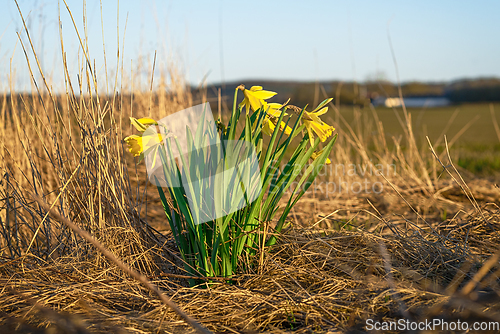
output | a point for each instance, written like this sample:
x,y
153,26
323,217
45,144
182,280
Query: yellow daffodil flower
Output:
x,y
270,124
137,145
254,97
316,125
142,124
273,111
315,155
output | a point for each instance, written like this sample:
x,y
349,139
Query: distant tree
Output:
x,y
381,88
422,89
479,90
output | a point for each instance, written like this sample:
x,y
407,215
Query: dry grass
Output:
x,y
314,280
426,245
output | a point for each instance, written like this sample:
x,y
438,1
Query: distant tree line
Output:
x,y
352,93
481,90
312,93
463,91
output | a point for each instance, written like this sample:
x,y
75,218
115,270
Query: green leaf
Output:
x,y
322,104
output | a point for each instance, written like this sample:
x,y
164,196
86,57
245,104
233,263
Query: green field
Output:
x,y
436,122
469,128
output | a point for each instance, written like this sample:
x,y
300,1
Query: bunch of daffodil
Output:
x,y
230,243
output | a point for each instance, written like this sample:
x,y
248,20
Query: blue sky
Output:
x,y
234,40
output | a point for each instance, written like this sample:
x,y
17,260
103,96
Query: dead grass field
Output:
x,y
423,246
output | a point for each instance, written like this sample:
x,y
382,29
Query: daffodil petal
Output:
x,y
263,94
268,127
286,128
316,155
141,124
256,103
321,112
309,131
147,121
273,109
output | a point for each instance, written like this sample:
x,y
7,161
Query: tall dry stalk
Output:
x,y
68,149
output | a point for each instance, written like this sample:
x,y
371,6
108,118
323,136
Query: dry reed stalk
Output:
x,y
495,122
